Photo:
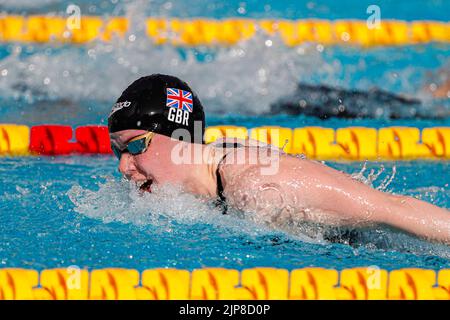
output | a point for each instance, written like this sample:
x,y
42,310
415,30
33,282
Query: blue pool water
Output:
x,y
73,210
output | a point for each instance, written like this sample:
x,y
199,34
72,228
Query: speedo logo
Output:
x,y
119,105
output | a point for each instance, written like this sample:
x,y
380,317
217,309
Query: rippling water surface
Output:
x,y
77,210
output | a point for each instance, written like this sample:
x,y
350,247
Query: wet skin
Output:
x,y
301,189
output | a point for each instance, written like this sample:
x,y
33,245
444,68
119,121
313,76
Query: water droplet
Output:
x,y
168,5
241,9
345,36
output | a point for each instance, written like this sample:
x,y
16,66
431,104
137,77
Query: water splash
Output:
x,y
122,202
165,207
245,78
168,208
250,75
387,181
373,175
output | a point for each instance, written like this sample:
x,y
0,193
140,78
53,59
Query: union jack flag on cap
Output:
x,y
179,99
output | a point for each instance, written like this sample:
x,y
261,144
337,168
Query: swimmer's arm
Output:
x,y
321,194
418,217
338,193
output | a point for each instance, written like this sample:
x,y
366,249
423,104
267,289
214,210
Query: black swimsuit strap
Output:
x,y
222,200
220,188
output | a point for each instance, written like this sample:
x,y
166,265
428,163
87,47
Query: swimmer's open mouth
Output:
x,y
146,186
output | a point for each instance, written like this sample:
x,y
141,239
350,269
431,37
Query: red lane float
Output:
x,y
57,140
51,140
351,143
93,139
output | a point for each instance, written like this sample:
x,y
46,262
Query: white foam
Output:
x,y
246,77
168,207
249,75
120,201
373,176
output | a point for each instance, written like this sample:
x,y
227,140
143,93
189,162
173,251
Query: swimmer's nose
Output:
x,y
126,165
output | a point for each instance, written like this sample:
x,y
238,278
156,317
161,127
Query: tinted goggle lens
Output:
x,y
137,146
134,147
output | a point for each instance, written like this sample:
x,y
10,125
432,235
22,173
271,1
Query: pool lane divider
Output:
x,y
218,283
224,32
350,143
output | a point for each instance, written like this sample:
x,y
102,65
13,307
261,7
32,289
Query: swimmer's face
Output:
x,y
151,167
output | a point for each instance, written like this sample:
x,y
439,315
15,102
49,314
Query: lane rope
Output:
x,y
226,32
349,143
219,283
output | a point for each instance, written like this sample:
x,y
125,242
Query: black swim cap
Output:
x,y
160,104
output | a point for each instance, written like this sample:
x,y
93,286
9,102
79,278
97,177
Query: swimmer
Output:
x,y
159,120
325,102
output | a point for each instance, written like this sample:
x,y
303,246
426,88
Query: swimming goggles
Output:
x,y
135,146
